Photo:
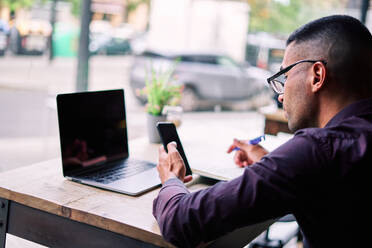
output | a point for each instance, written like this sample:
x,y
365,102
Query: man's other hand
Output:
x,y
248,154
171,164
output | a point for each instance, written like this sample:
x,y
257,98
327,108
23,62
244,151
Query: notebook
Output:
x,y
207,137
94,143
219,165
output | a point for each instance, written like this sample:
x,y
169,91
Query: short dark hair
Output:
x,y
346,44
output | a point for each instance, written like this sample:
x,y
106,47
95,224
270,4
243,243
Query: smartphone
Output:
x,y
168,133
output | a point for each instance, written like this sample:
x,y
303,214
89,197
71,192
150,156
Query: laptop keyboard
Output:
x,y
127,169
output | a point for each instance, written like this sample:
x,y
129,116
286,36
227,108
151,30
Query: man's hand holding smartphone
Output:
x,y
172,157
171,164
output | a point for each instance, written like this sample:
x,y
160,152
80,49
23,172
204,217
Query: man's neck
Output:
x,y
330,106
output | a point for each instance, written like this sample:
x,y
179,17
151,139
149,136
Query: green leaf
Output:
x,y
159,89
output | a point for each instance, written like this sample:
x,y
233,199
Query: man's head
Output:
x,y
341,49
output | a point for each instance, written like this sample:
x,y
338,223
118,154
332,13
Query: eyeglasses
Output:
x,y
277,81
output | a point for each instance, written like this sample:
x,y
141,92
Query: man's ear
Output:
x,y
319,75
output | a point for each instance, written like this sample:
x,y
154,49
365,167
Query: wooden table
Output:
x,y
38,204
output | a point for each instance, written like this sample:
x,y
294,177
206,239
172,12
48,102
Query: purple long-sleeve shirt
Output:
x,y
321,175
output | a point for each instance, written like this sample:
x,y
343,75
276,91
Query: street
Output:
x,y
28,89
36,73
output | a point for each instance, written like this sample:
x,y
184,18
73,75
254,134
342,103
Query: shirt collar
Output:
x,y
357,108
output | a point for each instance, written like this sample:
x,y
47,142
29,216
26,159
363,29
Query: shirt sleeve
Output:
x,y
268,189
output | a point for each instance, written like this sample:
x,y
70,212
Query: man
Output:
x,y
321,176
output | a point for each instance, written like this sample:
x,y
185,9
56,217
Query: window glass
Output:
x,y
226,61
205,59
276,55
40,58
251,54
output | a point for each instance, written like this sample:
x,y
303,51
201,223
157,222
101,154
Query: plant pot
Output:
x,y
152,131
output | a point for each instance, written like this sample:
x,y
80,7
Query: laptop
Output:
x,y
94,143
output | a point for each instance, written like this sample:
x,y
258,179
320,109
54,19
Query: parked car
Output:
x,y
208,78
265,51
29,37
106,45
4,30
108,40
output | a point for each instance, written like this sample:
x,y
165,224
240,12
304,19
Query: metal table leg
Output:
x,y
4,204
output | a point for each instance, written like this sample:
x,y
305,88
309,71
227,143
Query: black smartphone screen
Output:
x,y
168,133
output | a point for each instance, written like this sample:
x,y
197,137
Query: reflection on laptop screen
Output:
x,y
92,129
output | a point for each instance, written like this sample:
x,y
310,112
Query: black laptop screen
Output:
x,y
92,129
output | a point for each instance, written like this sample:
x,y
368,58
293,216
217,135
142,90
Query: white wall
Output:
x,y
199,25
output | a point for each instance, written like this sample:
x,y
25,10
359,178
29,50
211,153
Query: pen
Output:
x,y
254,141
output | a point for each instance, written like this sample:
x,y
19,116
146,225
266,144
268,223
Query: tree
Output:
x,y
76,5
283,16
131,5
16,4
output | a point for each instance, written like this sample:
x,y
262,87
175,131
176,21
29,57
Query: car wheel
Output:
x,y
189,100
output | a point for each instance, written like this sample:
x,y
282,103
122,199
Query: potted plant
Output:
x,y
160,91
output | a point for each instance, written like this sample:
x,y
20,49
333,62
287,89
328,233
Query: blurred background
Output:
x,y
225,51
